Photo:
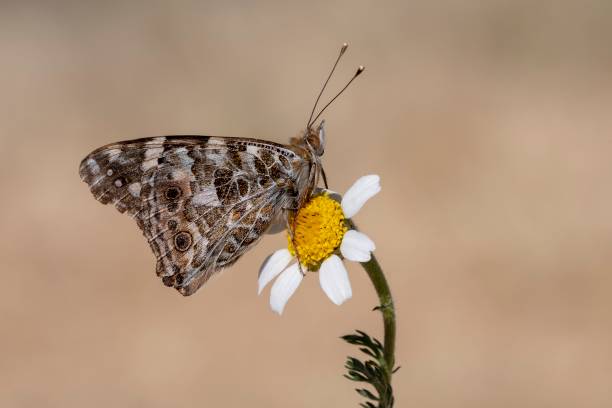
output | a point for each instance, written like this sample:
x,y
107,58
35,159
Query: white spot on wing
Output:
x,y
186,161
217,159
252,150
118,183
146,165
134,189
206,197
153,152
109,172
156,141
151,156
93,166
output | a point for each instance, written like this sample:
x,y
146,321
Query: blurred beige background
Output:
x,y
489,123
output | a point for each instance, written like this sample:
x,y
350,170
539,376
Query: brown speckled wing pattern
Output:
x,y
201,201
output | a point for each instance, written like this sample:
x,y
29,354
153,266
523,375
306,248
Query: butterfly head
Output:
x,y
314,139
311,140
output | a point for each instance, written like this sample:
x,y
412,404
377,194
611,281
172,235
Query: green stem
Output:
x,y
374,271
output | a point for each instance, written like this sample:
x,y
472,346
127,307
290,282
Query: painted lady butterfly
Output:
x,y
203,201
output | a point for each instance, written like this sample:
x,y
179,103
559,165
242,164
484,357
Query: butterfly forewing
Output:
x,y
200,201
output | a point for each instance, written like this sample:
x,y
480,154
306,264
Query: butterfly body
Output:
x,y
203,201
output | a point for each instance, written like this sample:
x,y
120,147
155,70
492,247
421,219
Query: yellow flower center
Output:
x,y
319,228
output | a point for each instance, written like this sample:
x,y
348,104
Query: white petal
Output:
x,y
334,280
272,266
284,287
357,246
361,191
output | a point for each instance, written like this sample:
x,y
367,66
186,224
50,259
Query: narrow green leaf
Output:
x,y
365,393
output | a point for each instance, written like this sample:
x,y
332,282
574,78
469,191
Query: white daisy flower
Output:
x,y
321,232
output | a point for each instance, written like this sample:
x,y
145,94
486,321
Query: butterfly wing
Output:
x,y
200,201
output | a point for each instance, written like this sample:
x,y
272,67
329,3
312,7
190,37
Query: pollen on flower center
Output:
x,y
319,228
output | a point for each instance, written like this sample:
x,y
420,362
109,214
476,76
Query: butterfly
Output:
x,y
203,201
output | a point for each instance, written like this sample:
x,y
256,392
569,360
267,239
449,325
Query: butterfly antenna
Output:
x,y
342,50
359,71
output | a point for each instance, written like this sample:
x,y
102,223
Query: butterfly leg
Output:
x,y
324,178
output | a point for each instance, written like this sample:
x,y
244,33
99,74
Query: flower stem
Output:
x,y
374,271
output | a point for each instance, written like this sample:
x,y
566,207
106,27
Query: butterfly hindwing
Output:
x,y
200,201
